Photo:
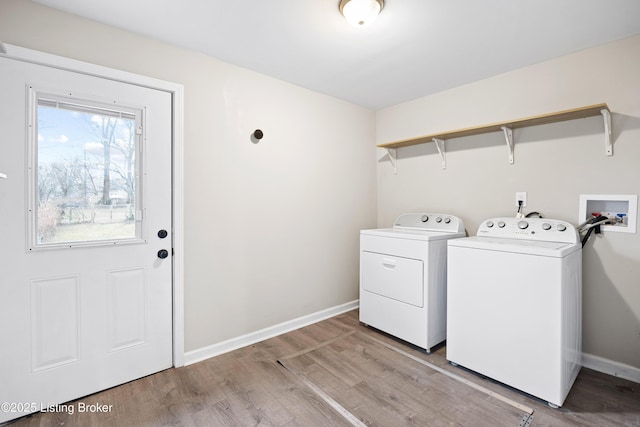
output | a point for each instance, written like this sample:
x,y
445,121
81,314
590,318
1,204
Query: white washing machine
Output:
x,y
514,307
403,273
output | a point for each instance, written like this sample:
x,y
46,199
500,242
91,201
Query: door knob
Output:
x,y
163,253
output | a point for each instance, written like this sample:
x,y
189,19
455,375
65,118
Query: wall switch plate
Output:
x,y
521,196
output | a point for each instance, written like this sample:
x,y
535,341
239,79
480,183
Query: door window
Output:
x,y
85,169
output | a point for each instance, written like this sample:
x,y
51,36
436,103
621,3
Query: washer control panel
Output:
x,y
539,229
429,222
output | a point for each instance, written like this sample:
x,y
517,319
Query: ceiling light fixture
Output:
x,y
361,13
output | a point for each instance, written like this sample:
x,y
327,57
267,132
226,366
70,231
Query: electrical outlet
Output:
x,y
521,196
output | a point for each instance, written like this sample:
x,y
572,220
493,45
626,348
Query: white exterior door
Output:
x,y
85,287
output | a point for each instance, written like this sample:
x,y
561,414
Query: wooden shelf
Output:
x,y
576,113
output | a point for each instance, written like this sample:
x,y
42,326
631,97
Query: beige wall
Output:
x,y
554,164
271,230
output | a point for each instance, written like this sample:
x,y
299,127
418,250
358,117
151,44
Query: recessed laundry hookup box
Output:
x,y
622,208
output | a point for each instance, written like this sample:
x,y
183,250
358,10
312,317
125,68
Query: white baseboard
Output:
x,y
261,335
589,361
611,367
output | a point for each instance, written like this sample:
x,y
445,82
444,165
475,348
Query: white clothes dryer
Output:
x,y
514,304
403,273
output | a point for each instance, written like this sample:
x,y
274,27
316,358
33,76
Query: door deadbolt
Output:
x,y
163,253
162,234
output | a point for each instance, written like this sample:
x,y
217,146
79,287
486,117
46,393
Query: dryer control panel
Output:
x,y
537,229
429,222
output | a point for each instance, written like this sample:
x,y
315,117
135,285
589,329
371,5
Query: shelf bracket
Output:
x,y
508,136
440,146
391,152
606,115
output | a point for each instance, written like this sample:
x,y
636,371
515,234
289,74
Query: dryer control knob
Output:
x,y
501,224
424,218
546,226
438,220
489,224
447,220
562,227
522,225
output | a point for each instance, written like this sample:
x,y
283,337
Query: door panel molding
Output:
x,y
127,291
55,298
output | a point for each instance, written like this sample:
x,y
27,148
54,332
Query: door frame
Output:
x,y
177,159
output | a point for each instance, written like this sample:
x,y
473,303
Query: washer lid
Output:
x,y
528,247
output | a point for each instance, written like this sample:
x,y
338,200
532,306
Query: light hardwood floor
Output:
x,y
339,372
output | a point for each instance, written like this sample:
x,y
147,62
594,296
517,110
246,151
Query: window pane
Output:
x,y
86,173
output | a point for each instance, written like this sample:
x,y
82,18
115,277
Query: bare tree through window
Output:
x,y
87,172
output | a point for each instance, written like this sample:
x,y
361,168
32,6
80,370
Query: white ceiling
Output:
x,y
414,48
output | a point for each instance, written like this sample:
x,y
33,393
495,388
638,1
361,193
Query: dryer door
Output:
x,y
393,277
